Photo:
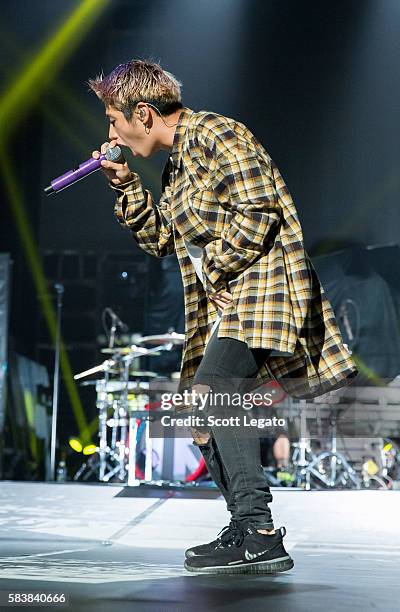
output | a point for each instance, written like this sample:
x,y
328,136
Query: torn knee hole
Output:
x,y
200,396
200,437
199,388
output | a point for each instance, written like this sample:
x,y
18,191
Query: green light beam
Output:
x,y
27,87
36,269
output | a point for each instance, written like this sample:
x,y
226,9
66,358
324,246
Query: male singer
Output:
x,y
254,307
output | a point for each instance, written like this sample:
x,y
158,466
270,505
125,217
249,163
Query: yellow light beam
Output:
x,y
28,85
36,268
367,371
88,121
21,95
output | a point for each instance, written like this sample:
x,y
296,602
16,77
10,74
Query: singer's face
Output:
x,y
128,133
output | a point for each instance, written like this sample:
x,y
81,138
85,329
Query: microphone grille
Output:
x,y
115,154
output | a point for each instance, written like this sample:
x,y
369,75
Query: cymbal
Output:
x,y
140,351
118,385
89,383
172,338
142,374
134,373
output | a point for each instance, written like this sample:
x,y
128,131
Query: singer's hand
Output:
x,y
117,174
221,299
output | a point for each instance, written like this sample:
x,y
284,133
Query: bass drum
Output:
x,y
178,459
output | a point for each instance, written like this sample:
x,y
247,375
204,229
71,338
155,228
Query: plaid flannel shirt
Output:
x,y
223,192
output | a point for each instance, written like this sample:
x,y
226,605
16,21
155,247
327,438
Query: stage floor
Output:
x,y
108,551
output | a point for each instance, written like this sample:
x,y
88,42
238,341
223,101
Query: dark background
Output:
x,y
316,82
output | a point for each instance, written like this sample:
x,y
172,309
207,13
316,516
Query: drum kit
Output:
x,y
125,392
348,439
123,397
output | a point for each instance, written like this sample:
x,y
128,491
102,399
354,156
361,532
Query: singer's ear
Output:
x,y
141,110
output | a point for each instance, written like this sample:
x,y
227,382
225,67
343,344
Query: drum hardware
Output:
x,y
318,467
371,412
328,468
102,367
119,447
117,422
142,374
115,322
390,460
113,386
124,411
371,477
102,461
169,338
109,364
118,458
382,470
139,351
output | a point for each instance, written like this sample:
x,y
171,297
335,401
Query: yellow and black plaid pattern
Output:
x,y
223,192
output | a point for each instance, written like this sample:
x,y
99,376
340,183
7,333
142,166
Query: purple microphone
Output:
x,y
113,154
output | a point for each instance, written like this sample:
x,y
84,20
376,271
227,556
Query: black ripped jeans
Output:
x,y
232,454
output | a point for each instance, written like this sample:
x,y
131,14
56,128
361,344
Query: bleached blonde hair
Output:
x,y
138,81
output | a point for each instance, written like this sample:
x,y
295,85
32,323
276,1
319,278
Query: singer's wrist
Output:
x,y
132,179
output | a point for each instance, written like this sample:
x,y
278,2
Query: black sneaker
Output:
x,y
249,552
228,534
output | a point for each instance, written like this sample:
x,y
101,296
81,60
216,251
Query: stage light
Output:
x,y
368,372
20,96
90,449
75,444
370,467
35,264
40,72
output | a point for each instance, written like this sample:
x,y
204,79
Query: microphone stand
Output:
x,y
59,288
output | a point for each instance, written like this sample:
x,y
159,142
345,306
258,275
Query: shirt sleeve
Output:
x,y
243,178
149,223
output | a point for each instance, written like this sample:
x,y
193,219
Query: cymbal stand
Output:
x,y
101,463
103,409
116,404
123,412
104,450
338,471
120,415
133,427
303,448
121,446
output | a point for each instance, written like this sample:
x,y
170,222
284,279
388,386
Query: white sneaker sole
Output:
x,y
282,564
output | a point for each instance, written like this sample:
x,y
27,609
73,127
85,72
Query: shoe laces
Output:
x,y
232,534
